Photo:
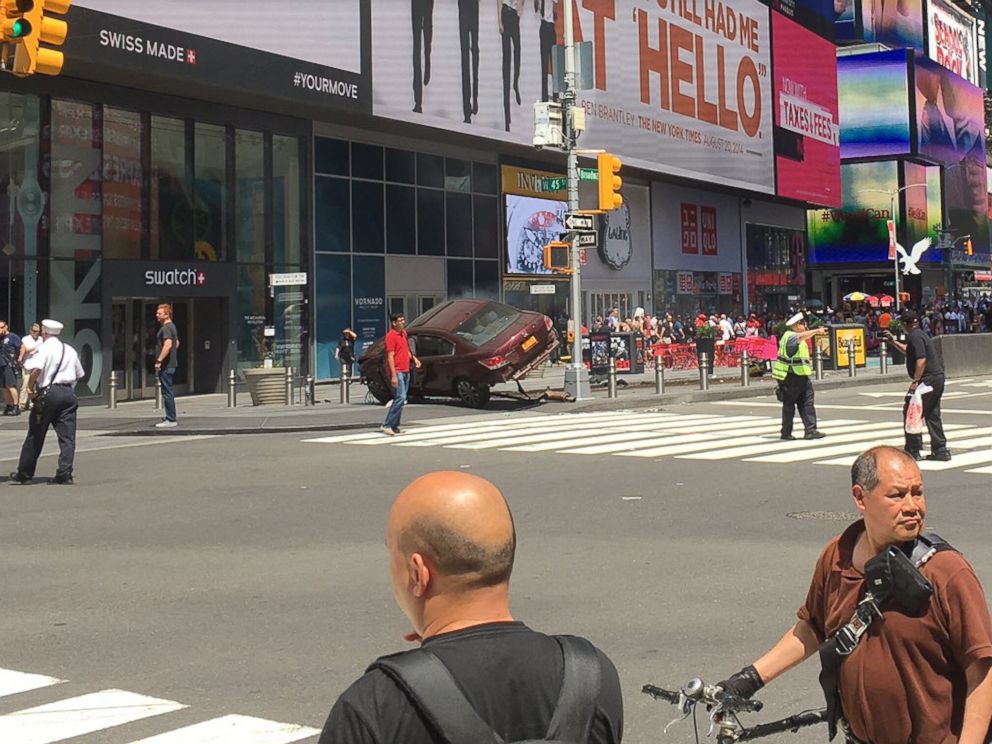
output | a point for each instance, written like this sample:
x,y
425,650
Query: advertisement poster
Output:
x,y
531,224
690,228
685,92
807,129
707,231
951,129
857,232
369,286
951,40
922,208
874,104
816,15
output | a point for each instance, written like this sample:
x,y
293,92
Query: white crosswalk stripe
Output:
x,y
691,436
94,712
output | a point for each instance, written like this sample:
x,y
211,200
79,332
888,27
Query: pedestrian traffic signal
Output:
x,y
609,182
27,23
558,257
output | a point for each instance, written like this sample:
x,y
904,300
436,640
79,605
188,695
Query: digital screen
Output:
x,y
816,15
858,231
874,104
894,23
846,20
950,129
531,224
807,133
922,209
951,39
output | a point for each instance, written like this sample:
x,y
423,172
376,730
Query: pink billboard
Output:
x,y
807,127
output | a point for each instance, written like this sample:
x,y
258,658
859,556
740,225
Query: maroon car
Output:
x,y
466,347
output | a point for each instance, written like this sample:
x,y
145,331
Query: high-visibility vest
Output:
x,y
799,364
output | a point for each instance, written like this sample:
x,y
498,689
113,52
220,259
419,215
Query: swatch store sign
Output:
x,y
175,278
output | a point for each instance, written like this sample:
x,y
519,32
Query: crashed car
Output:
x,y
466,347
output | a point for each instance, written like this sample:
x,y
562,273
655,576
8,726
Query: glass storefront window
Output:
x,y
367,217
401,219
776,264
251,318
249,154
458,208
286,200
123,184
210,183
430,222
171,204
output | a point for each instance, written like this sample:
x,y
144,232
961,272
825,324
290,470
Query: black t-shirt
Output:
x,y
510,674
167,331
919,346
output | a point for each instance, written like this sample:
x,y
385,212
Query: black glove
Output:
x,y
744,683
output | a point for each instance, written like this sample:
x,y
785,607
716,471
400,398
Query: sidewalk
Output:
x,y
209,414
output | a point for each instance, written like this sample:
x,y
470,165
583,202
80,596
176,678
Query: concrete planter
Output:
x,y
267,386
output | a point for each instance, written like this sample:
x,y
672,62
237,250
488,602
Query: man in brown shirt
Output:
x,y
912,679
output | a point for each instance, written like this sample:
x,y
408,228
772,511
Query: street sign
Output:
x,y
588,174
575,221
293,279
554,184
582,237
583,257
542,289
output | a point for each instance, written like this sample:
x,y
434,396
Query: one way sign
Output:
x,y
575,221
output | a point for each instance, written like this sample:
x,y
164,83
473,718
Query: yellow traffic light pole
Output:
x,y
27,24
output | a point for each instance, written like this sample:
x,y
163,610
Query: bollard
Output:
x,y
346,384
289,386
158,393
611,379
659,376
818,363
704,380
232,389
883,358
745,369
308,395
113,390
852,362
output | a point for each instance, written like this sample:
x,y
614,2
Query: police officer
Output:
x,y
793,369
54,369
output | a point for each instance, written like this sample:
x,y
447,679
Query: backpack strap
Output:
x,y
926,546
434,692
580,688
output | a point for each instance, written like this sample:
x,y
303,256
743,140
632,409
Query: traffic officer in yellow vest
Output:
x,y
793,370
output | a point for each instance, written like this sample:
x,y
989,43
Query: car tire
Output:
x,y
379,391
472,394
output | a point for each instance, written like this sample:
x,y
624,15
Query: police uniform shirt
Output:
x,y
46,359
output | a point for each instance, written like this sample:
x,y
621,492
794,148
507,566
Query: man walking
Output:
x,y
398,357
479,675
166,361
793,370
53,371
468,40
924,366
422,13
10,348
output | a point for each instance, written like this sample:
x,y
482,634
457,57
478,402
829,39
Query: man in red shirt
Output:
x,y
398,358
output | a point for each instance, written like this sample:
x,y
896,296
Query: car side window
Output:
x,y
433,346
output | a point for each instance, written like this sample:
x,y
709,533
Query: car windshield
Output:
x,y
487,324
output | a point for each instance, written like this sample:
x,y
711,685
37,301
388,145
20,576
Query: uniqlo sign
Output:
x,y
707,230
686,283
690,229
725,284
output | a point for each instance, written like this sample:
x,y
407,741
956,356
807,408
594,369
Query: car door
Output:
x,y
436,354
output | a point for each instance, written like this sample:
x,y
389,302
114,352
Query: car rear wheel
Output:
x,y
472,394
379,391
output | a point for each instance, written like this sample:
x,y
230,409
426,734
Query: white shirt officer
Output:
x,y
54,367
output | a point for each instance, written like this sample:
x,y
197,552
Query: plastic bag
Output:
x,y
914,413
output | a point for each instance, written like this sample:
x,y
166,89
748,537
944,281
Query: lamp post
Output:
x,y
893,193
9,250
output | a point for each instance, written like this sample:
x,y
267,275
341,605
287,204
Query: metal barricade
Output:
x,y
232,389
309,391
158,393
112,403
852,361
345,384
704,365
611,378
289,386
745,369
818,363
659,376
883,358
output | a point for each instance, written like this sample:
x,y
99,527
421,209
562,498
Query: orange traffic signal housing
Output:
x,y
30,56
609,182
558,257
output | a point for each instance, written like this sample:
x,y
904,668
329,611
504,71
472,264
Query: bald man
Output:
x,y
451,543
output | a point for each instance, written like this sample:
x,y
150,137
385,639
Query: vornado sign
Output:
x,y
175,278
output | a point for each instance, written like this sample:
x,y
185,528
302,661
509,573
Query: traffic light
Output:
x,y
31,20
558,257
968,248
609,182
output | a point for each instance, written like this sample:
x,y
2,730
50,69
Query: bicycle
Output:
x,y
724,707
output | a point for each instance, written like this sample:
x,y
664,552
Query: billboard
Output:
x,y
685,93
807,133
951,131
952,39
327,34
874,104
894,23
922,208
531,223
816,15
857,232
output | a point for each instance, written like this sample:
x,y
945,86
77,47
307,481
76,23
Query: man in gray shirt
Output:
x,y
166,361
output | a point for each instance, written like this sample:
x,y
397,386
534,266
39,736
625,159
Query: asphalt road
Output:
x,y
247,574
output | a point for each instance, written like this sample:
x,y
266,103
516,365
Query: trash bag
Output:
x,y
914,413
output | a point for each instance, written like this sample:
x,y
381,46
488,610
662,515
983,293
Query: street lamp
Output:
x,y
893,193
9,250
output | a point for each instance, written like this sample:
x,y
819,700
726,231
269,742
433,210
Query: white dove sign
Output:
x,y
910,260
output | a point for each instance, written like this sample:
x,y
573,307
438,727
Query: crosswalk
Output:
x,y
702,436
100,711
